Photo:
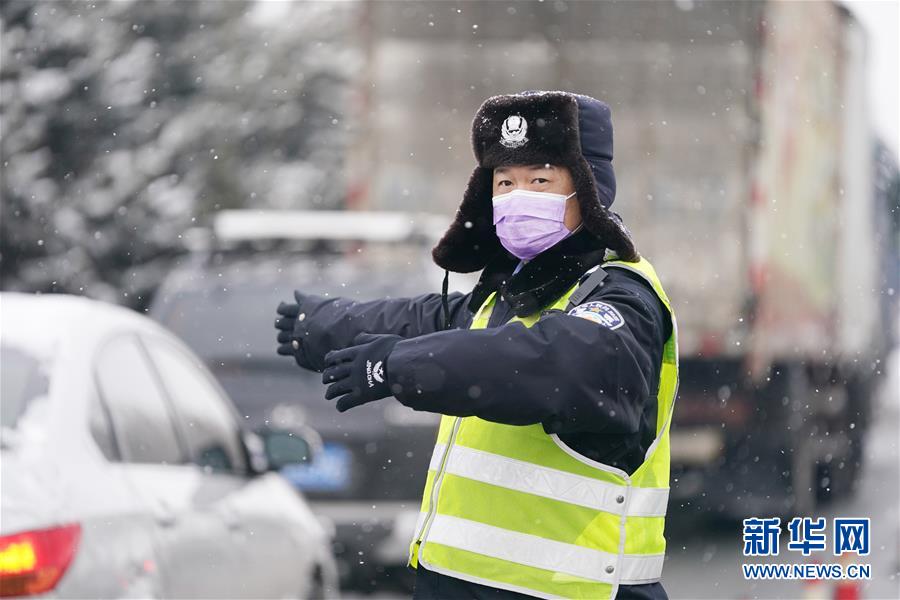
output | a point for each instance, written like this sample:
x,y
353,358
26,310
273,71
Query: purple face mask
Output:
x,y
528,223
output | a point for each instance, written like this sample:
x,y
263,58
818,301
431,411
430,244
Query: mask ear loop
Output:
x,y
445,304
580,225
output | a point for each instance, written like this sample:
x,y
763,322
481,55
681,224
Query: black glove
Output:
x,y
359,372
292,330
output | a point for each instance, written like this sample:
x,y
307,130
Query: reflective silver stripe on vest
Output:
x,y
550,483
541,553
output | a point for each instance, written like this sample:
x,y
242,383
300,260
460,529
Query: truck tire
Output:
x,y
859,393
804,472
840,476
800,426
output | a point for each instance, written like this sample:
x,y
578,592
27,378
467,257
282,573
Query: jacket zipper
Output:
x,y
432,509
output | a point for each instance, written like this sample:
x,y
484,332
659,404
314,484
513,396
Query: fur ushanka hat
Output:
x,y
531,128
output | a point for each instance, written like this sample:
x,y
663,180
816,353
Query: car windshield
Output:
x,y
23,381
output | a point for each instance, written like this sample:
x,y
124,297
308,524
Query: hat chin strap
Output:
x,y
445,304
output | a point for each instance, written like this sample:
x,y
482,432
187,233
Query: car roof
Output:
x,y
62,332
66,330
40,321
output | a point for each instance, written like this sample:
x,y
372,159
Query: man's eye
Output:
x,y
505,182
539,180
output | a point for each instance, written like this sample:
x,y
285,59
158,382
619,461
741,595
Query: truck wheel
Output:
x,y
838,478
804,473
841,475
802,440
860,391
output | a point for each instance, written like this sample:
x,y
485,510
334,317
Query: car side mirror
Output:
x,y
284,447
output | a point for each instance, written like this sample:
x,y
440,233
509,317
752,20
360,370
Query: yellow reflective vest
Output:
x,y
512,507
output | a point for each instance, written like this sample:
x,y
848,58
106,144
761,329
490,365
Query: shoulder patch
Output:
x,y
599,312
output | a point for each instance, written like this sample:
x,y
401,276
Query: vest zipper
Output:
x,y
432,509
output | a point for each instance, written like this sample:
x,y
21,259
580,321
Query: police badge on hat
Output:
x,y
512,133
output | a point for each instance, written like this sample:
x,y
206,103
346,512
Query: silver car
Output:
x,y
126,472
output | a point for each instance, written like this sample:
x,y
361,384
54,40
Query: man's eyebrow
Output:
x,y
532,167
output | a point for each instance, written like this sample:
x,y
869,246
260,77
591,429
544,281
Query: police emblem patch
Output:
x,y
512,133
599,312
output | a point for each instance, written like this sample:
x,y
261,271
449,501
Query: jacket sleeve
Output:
x,y
332,323
570,373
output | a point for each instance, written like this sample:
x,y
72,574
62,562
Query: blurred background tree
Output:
x,y
124,123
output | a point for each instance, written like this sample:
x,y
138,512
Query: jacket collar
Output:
x,y
543,279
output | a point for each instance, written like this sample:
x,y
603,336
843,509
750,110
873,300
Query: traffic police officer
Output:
x,y
556,375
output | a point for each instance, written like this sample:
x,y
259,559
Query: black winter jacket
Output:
x,y
593,385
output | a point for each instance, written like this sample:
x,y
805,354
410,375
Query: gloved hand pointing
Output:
x,y
292,329
358,373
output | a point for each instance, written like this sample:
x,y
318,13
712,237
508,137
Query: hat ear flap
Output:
x,y
618,237
599,220
471,239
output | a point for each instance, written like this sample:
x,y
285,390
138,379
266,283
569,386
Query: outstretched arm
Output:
x,y
570,372
320,324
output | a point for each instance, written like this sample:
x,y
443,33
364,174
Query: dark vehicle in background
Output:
x,y
367,481
127,473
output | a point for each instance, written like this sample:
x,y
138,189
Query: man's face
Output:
x,y
553,179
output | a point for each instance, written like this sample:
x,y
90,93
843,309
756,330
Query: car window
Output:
x,y
137,406
206,418
101,429
23,380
